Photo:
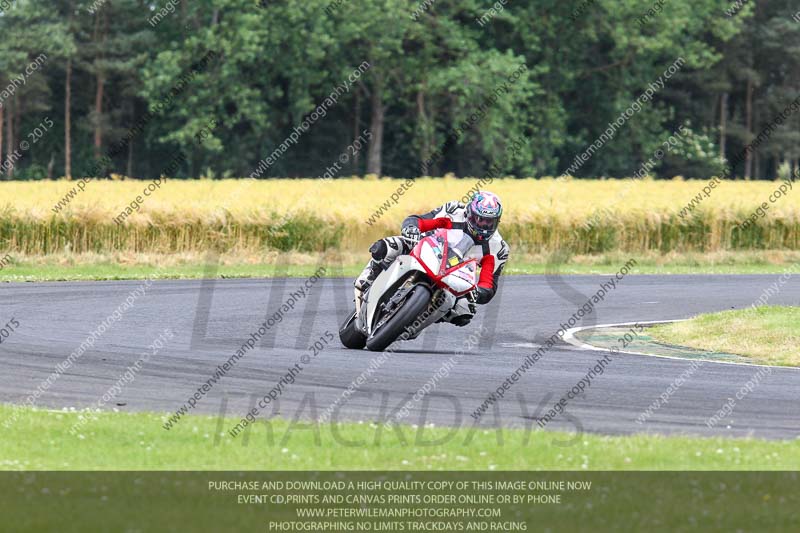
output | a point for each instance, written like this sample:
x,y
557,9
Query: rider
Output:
x,y
479,219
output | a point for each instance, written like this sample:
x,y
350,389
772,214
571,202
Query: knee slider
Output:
x,y
461,320
379,250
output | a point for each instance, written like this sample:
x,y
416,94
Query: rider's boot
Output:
x,y
368,275
384,252
364,280
456,320
380,255
461,314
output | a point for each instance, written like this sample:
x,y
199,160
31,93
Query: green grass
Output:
x,y
41,440
767,334
96,272
84,267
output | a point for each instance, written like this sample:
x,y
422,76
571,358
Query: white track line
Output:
x,y
569,338
569,335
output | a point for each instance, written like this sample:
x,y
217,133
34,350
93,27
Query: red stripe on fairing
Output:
x,y
486,281
416,254
435,277
434,223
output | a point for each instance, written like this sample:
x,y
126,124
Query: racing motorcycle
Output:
x,y
414,292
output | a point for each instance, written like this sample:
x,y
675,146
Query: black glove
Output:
x,y
410,232
461,321
482,296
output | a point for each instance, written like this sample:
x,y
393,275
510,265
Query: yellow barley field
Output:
x,y
584,216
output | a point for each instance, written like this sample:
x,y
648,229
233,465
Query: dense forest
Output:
x,y
237,88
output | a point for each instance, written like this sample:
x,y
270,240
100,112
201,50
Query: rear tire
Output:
x,y
414,305
350,336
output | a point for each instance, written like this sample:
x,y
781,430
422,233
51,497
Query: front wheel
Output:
x,y
413,307
350,336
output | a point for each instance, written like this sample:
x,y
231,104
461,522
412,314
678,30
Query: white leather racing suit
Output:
x,y
491,255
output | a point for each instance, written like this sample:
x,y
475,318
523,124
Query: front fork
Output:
x,y
441,304
359,295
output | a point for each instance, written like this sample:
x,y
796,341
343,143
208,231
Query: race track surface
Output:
x,y
211,320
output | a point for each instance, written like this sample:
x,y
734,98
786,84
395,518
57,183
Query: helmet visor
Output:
x,y
485,223
482,227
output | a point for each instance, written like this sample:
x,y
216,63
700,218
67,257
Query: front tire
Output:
x,y
413,307
350,336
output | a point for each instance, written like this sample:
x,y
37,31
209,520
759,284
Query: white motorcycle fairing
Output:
x,y
389,278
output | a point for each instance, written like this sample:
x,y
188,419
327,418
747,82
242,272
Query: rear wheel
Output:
x,y
350,336
416,302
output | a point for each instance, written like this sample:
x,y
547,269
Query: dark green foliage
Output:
x,y
277,61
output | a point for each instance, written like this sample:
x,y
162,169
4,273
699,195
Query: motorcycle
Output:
x,y
414,292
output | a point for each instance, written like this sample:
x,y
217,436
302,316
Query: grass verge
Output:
x,y
41,440
78,267
767,334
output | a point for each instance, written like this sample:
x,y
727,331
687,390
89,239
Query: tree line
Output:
x,y
83,86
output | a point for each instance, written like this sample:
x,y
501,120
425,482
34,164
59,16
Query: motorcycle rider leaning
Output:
x,y
478,219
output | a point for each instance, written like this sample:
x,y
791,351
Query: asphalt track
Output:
x,y
211,319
